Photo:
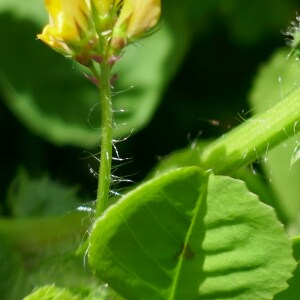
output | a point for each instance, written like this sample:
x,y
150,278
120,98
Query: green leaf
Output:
x,y
11,271
276,79
28,197
69,271
50,95
30,9
37,251
46,94
187,235
190,156
51,292
292,292
296,244
46,235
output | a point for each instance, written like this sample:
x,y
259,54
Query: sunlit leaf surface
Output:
x,y
276,79
190,235
52,293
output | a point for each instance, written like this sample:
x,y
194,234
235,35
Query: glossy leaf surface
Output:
x,y
190,235
52,292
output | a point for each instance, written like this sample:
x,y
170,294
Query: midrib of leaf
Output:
x,y
202,195
198,264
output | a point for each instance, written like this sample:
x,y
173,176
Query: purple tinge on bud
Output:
x,y
112,59
92,30
114,78
92,79
97,58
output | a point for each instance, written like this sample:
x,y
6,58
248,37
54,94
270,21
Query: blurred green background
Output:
x,y
191,80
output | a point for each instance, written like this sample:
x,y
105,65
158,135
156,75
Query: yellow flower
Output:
x,y
69,25
136,18
89,30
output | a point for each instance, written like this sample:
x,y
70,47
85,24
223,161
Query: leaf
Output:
x,y
51,292
28,197
292,292
296,244
30,9
275,79
46,235
11,271
187,235
69,271
52,98
44,255
190,156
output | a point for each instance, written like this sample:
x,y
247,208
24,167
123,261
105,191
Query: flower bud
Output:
x,y
93,30
104,7
135,19
105,14
70,29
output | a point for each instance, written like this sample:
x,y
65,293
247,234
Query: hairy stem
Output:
x,y
104,178
255,137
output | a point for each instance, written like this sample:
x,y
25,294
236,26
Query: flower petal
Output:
x,y
138,16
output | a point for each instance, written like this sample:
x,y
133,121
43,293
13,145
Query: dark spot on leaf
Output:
x,y
186,252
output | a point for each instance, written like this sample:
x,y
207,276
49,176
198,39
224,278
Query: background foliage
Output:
x,y
209,52
190,80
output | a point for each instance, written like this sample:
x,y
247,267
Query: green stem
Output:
x,y
54,232
104,178
254,138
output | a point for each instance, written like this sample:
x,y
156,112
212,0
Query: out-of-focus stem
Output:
x,y
252,139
